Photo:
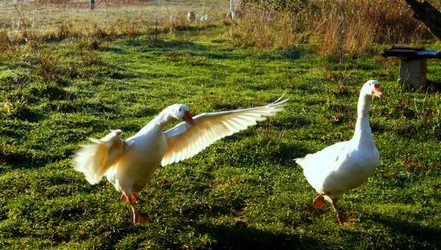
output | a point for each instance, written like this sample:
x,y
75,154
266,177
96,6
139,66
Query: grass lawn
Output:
x,y
244,191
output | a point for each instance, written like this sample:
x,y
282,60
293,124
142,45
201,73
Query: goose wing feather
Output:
x,y
95,159
185,141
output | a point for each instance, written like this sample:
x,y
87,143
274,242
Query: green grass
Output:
x,y
243,191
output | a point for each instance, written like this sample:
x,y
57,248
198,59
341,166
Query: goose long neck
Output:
x,y
157,123
363,132
163,118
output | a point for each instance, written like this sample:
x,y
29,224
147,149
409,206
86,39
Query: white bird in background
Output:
x,y
191,16
128,164
345,165
204,18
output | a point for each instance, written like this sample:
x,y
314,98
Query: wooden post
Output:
x,y
92,4
413,73
413,64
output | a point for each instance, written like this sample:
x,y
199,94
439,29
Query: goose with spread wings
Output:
x,y
128,164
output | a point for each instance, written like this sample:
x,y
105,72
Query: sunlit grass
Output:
x,y
243,191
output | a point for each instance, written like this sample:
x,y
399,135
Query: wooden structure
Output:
x,y
413,64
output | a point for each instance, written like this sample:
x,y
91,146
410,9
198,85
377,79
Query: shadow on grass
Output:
x,y
29,116
288,153
112,49
225,208
19,158
286,54
197,49
418,235
81,106
293,54
121,74
434,86
212,52
295,122
239,236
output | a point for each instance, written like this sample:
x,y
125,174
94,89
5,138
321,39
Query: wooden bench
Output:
x,y
413,64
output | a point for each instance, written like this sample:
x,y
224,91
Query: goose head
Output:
x,y
372,89
180,112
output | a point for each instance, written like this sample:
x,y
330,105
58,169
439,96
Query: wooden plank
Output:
x,y
409,54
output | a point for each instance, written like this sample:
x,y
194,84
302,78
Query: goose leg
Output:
x,y
318,202
138,218
340,218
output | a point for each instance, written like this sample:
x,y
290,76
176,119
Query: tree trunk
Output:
x,y
427,14
92,4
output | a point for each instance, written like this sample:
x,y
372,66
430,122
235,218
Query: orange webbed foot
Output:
x,y
133,197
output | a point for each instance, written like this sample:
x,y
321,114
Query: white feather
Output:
x,y
94,160
185,141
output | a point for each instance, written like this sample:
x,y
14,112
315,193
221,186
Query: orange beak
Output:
x,y
188,118
378,92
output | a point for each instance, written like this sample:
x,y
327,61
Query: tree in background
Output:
x,y
427,14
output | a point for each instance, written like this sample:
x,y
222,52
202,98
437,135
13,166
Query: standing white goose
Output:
x,y
345,165
128,164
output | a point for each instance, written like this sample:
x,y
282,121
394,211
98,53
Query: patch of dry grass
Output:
x,y
353,26
331,27
26,22
262,28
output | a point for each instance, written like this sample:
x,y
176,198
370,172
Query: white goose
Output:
x,y
128,164
345,165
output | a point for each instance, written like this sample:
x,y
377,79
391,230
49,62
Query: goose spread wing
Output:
x,y
185,141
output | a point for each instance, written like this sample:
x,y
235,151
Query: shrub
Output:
x,y
48,67
4,41
15,107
